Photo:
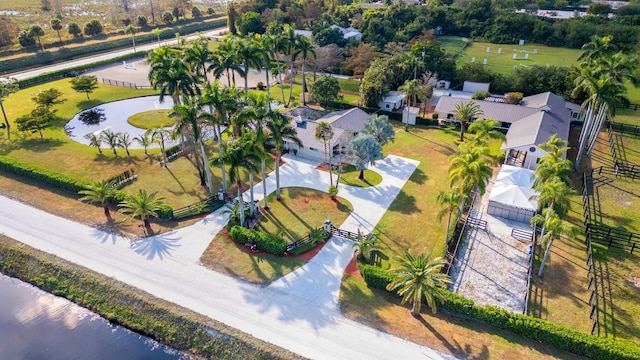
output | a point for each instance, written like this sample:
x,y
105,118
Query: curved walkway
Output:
x,y
299,312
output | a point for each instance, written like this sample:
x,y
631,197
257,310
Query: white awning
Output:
x,y
514,175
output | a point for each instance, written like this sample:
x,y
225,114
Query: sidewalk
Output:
x,y
298,312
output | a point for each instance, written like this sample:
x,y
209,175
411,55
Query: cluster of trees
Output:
x,y
32,35
42,116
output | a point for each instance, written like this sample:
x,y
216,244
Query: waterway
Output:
x,y
37,325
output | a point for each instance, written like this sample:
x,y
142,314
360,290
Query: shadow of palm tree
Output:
x,y
159,245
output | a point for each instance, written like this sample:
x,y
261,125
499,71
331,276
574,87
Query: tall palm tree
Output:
x,y
110,138
197,55
145,140
171,75
419,277
324,132
221,103
451,201
190,119
555,228
95,140
465,112
124,141
237,157
470,168
304,48
279,45
288,48
142,205
8,86
553,164
484,129
413,91
365,244
99,192
260,114
268,51
226,60
280,129
249,52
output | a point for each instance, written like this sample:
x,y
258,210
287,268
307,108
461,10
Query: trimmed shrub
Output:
x,y
480,95
524,325
264,242
46,176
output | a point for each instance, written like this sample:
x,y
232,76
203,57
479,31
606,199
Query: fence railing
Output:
x,y
591,274
527,294
207,205
631,106
612,146
124,84
460,227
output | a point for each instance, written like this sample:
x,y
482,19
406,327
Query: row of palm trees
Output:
x,y
554,188
469,169
123,140
603,71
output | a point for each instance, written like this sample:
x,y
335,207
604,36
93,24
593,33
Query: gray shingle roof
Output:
x,y
351,119
498,111
306,131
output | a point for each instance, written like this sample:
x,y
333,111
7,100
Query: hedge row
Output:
x,y
129,307
62,181
64,54
264,242
524,325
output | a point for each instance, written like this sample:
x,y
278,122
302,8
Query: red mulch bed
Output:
x,y
274,159
323,167
352,269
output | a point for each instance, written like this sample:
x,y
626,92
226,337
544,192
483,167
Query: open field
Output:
x,y
503,63
629,116
452,45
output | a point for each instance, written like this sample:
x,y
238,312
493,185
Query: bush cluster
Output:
x,y
264,242
531,327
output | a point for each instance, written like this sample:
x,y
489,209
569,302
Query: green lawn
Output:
x,y
301,210
151,119
350,176
453,44
628,116
503,63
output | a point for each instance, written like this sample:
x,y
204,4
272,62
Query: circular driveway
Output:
x,y
116,114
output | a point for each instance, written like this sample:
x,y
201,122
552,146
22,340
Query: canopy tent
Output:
x,y
512,195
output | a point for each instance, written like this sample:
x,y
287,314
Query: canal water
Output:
x,y
37,325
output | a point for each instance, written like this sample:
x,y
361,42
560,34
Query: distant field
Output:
x,y
503,63
452,44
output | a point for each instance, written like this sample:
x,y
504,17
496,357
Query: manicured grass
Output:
x,y
503,63
276,93
151,119
465,339
628,116
452,44
300,210
166,322
350,177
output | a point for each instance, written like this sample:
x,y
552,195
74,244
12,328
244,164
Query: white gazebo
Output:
x,y
512,196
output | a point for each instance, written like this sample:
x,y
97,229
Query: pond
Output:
x,y
37,325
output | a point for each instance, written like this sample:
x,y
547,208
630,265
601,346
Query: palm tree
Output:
x,y
99,192
364,150
280,47
226,60
419,277
236,156
260,114
552,164
124,141
555,228
143,205
189,119
470,168
220,103
145,139
465,112
8,86
288,48
451,201
95,140
380,128
268,51
365,244
130,29
484,129
197,55
324,132
170,74
413,91
303,47
280,129
159,135
248,51
110,138
597,48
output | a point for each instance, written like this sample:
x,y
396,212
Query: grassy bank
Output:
x,y
122,304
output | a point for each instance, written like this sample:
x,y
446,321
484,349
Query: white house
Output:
x,y
346,124
349,33
528,125
394,100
